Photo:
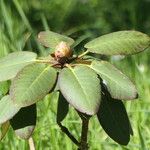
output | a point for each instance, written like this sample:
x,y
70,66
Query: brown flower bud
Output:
x,y
62,50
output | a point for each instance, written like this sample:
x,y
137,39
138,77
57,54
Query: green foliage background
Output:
x,y
82,20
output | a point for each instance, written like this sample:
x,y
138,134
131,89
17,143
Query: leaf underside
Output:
x,y
81,88
119,43
23,123
11,64
52,39
62,108
114,119
118,84
7,109
32,83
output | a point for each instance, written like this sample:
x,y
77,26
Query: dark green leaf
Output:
x,y
130,128
32,83
119,43
118,84
81,88
4,86
13,63
24,121
62,108
3,129
52,39
114,119
7,109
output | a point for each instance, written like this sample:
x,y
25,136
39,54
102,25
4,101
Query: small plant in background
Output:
x,y
90,85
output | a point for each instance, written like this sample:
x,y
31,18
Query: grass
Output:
x,y
18,32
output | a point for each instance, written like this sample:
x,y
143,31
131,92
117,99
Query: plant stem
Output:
x,y
52,63
84,132
84,53
81,61
31,143
82,145
44,61
66,131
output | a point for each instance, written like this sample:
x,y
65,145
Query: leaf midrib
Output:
x,y
79,84
34,82
108,77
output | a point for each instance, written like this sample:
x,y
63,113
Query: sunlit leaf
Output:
x,y
14,62
52,39
32,83
7,109
118,84
114,119
81,88
24,121
119,43
62,108
3,129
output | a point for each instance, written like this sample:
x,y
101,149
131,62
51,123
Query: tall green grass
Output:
x,y
22,20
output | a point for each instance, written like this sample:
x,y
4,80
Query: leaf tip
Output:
x,y
25,133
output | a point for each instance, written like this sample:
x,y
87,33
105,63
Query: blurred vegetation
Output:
x,y
20,22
